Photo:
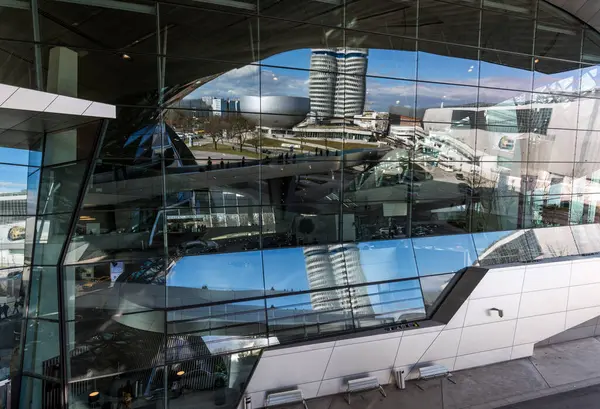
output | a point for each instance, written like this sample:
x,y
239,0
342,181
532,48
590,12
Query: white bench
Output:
x,y
285,398
363,384
433,371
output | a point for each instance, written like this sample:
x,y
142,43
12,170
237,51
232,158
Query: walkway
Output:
x,y
553,370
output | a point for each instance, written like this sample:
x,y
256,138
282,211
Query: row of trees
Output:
x,y
234,128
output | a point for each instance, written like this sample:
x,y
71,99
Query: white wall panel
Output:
x,y
6,91
486,337
547,276
29,100
521,351
310,390
543,302
363,357
535,329
482,358
500,281
301,348
68,105
584,296
457,321
290,369
585,272
576,317
444,346
412,348
479,312
370,338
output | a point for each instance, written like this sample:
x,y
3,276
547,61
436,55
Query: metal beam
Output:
x,y
115,5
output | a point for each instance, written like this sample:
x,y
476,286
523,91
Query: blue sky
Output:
x,y
390,79
13,176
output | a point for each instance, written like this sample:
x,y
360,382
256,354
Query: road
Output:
x,y
584,398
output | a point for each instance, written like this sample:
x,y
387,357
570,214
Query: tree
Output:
x,y
240,130
216,128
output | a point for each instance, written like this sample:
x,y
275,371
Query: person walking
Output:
x,y
5,310
15,307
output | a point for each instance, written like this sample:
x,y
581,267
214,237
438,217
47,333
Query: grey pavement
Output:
x,y
584,398
560,371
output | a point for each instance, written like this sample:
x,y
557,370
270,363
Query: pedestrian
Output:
x,y
16,307
209,163
327,152
294,158
243,161
287,157
5,310
222,164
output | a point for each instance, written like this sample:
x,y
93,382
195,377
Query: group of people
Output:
x,y
4,309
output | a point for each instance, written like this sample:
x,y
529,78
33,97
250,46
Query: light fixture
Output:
x,y
506,7
180,373
553,29
275,78
126,56
537,60
93,394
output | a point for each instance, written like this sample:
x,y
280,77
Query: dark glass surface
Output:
x,y
282,171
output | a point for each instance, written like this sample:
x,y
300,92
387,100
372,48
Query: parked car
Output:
x,y
203,379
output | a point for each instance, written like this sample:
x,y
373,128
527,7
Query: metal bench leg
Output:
x,y
305,405
348,398
449,377
382,391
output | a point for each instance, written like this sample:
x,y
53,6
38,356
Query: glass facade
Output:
x,y
278,171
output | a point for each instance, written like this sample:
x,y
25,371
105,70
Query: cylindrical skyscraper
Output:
x,y
323,69
337,82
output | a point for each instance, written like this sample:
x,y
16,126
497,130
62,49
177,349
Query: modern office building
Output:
x,y
337,82
209,275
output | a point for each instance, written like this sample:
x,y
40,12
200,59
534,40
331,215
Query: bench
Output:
x,y
363,384
433,371
285,398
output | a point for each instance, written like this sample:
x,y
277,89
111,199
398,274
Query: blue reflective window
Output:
x,y
219,277
445,254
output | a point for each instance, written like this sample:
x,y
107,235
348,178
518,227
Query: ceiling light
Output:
x,y
537,60
180,373
275,78
126,56
93,394
553,29
506,7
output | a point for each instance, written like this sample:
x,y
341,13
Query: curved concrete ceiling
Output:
x,y
202,43
587,11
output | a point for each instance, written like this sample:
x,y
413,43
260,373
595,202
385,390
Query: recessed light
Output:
x,y
537,60
126,57
93,394
180,373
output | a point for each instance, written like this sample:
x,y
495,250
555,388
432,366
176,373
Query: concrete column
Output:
x,y
62,80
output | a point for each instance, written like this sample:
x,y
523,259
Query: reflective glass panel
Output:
x,y
385,303
438,255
